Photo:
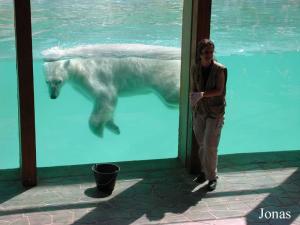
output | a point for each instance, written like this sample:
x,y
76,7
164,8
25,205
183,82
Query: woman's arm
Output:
x,y
219,87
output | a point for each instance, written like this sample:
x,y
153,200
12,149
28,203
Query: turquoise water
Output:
x,y
263,103
149,129
257,40
9,143
63,135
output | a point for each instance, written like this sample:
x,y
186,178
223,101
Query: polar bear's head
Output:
x,y
56,73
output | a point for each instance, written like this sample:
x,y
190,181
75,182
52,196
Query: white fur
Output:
x,y
103,79
113,50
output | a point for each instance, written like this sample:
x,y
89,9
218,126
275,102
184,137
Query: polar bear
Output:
x,y
103,79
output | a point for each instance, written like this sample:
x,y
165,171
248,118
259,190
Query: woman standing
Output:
x,y
207,98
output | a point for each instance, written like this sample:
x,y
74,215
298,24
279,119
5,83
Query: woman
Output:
x,y
207,98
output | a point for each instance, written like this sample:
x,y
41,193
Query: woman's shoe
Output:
x,y
212,184
200,179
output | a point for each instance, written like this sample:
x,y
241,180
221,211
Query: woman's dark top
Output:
x,y
205,75
205,79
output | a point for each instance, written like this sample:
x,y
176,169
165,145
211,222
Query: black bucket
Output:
x,y
105,176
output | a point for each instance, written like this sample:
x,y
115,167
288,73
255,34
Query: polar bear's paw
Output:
x,y
97,129
112,127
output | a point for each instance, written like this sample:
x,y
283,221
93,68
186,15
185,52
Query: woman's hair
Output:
x,y
202,45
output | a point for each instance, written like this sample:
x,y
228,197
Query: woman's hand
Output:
x,y
195,97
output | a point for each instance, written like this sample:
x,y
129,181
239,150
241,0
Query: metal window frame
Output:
x,y
195,26
25,92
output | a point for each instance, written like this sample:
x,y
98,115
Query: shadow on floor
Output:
x,y
155,194
144,201
10,189
281,206
149,198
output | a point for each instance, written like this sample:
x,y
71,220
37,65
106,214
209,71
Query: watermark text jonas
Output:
x,y
265,214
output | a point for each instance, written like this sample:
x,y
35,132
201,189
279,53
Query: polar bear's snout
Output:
x,y
56,74
54,87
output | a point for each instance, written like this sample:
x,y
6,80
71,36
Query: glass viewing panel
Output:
x,y
112,70
9,135
259,43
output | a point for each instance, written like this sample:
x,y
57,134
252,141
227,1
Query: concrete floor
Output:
x,y
161,197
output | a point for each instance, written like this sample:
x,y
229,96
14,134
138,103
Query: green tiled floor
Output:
x,y
160,197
